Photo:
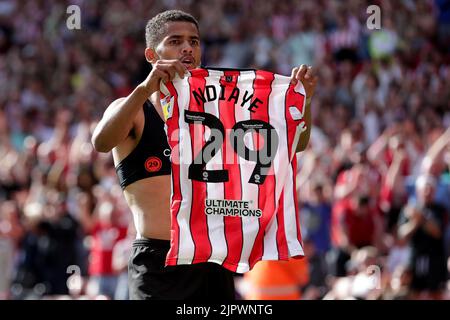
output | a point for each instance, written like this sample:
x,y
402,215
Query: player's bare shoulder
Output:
x,y
134,131
118,127
138,121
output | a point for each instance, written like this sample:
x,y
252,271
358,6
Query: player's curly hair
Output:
x,y
156,26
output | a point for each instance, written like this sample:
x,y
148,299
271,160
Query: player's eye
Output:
x,y
174,42
195,42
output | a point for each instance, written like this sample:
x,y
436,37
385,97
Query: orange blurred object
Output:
x,y
276,280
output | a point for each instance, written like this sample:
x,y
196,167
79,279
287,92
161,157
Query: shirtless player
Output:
x,y
133,129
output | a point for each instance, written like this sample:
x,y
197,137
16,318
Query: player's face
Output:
x,y
182,42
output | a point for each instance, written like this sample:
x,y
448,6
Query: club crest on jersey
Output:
x,y
167,106
153,164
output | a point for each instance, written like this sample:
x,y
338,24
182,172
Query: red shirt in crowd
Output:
x,y
359,228
104,238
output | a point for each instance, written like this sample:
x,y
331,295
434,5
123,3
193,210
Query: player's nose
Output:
x,y
187,47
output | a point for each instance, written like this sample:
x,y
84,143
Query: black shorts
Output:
x,y
149,279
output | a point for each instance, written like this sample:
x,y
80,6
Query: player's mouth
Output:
x,y
188,61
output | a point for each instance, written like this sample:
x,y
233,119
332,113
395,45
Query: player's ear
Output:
x,y
151,55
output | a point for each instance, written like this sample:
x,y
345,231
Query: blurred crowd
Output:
x,y
374,183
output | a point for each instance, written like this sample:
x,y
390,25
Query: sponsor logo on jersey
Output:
x,y
153,164
233,208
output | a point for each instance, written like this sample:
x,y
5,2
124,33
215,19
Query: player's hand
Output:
x,y
307,76
163,70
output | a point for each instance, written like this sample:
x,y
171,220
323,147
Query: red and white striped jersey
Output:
x,y
233,136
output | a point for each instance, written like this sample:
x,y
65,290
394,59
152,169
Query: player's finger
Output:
x,y
169,69
301,72
162,75
293,74
309,73
180,68
176,67
165,77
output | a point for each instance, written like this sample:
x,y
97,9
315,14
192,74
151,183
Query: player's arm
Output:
x,y
118,120
119,117
308,78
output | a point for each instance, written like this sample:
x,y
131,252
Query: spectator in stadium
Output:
x,y
436,163
316,286
120,255
423,225
399,287
48,248
107,227
315,217
11,232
